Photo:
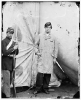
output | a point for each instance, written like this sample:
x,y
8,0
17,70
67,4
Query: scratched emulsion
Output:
x,y
28,19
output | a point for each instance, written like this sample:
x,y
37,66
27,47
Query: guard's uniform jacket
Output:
x,y
7,55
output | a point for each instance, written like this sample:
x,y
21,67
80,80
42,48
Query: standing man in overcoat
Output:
x,y
9,48
47,54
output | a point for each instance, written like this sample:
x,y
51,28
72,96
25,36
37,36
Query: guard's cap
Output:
x,y
10,29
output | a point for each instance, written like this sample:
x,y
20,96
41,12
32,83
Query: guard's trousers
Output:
x,y
42,81
7,77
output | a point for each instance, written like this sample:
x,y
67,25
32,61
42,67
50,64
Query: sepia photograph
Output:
x,y
40,49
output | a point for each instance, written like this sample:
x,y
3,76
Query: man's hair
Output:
x,y
48,24
10,30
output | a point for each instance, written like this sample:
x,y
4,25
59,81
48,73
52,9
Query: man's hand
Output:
x,y
39,54
16,47
54,60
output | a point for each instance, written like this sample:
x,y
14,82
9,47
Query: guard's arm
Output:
x,y
5,51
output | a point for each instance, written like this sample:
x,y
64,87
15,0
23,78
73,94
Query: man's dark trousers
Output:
x,y
42,81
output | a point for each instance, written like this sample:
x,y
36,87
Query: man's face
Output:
x,y
9,35
48,29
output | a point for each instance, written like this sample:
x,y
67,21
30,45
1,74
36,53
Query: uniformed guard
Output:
x,y
9,48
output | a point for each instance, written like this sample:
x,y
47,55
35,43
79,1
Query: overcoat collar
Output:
x,y
47,36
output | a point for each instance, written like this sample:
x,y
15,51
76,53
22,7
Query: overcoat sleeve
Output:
x,y
55,48
37,39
